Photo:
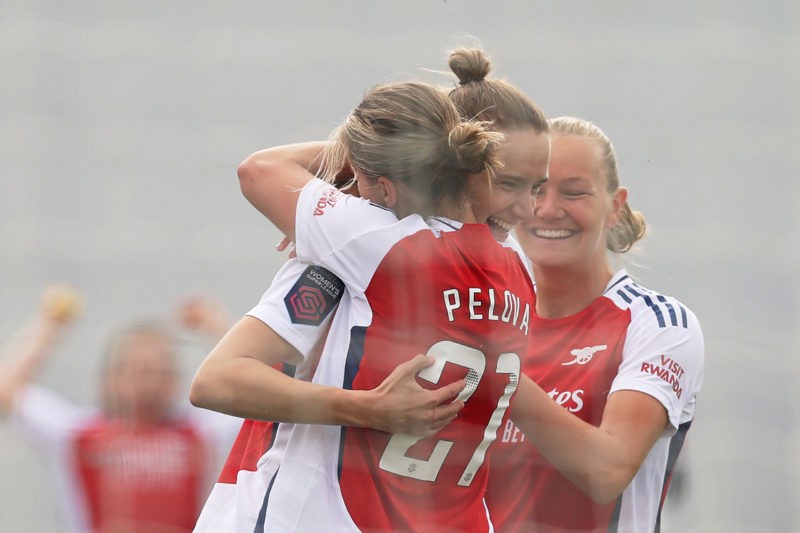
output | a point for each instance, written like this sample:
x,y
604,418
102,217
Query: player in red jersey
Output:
x,y
471,316
137,463
623,362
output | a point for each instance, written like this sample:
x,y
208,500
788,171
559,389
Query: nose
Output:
x,y
546,205
523,207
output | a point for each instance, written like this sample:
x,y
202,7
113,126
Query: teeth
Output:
x,y
504,225
552,233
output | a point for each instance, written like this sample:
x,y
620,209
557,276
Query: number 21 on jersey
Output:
x,y
394,458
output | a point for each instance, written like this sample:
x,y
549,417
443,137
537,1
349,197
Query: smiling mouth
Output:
x,y
499,228
553,233
505,226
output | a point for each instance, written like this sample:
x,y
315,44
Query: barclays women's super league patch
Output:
x,y
315,294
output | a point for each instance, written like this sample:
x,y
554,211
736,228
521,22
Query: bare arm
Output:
x,y
602,460
29,348
238,378
271,180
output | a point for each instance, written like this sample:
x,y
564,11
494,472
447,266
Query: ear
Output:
x,y
388,191
617,203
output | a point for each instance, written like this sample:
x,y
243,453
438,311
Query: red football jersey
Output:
x,y
630,338
140,477
467,301
402,288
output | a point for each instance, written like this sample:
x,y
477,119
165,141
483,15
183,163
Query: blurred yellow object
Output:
x,y
62,302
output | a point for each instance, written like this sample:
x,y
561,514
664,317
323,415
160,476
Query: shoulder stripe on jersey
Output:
x,y
670,309
656,310
624,296
620,280
656,302
631,288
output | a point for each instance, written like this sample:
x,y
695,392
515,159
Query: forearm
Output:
x,y
23,357
240,377
270,179
600,462
248,388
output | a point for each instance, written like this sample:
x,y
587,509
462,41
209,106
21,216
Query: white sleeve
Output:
x,y
346,234
663,360
46,418
298,304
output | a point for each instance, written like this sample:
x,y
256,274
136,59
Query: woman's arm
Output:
x,y
602,460
24,356
25,353
238,378
271,180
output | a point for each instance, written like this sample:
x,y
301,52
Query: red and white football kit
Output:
x,y
457,295
630,338
236,500
114,477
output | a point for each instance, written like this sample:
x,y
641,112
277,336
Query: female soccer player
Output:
x,y
624,363
468,310
140,461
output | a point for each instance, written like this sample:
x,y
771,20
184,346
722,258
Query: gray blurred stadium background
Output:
x,y
121,125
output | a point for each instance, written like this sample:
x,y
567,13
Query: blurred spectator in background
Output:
x,y
143,460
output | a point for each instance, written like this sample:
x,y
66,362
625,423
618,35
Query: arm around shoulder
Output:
x,y
239,378
271,180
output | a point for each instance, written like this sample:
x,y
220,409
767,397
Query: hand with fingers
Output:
x,y
402,405
285,244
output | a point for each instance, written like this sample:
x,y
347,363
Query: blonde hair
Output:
x,y
631,226
409,132
493,100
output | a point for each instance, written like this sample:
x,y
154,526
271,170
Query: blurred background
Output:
x,y
121,126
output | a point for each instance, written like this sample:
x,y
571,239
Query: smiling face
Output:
x,y
524,155
573,210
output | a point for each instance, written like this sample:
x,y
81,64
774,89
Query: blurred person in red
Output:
x,y
138,462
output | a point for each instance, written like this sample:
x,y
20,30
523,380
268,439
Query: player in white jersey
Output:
x,y
624,363
524,157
